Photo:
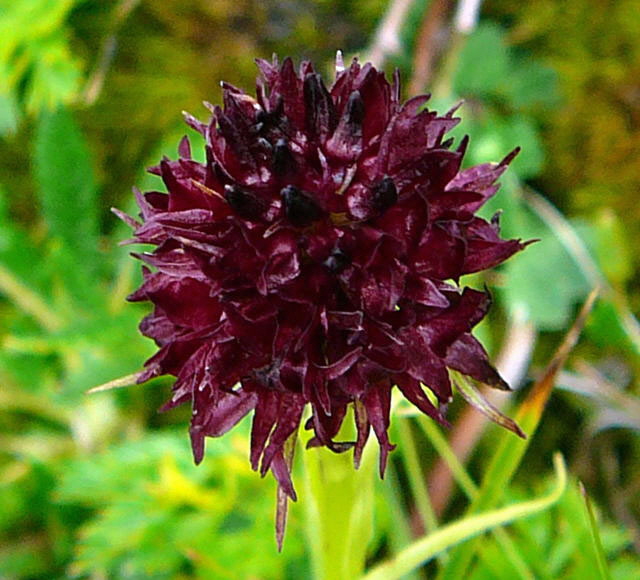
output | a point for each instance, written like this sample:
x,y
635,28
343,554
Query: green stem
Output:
x,y
443,449
401,536
339,505
416,476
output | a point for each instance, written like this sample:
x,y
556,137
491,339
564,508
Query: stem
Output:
x,y
448,456
508,453
339,506
603,569
416,476
401,536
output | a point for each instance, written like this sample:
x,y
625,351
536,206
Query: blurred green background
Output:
x,y
91,93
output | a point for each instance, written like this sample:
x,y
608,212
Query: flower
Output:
x,y
314,259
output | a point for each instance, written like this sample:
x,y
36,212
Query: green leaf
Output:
x,y
159,514
544,281
17,252
495,136
606,327
55,77
37,67
596,551
558,544
484,62
531,83
20,559
67,186
545,284
488,68
28,301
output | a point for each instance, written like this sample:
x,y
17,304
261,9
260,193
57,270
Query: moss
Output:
x,y
593,137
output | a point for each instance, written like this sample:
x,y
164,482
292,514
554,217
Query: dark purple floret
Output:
x,y
283,161
299,206
311,264
385,194
244,203
337,261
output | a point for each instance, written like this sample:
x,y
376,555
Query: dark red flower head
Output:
x,y
313,259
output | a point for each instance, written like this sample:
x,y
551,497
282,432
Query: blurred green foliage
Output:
x,y
91,93
38,70
166,517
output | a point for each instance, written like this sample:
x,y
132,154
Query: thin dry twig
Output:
x,y
95,83
387,38
430,44
467,14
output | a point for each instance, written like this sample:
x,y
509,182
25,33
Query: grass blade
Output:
x,y
601,559
427,548
510,450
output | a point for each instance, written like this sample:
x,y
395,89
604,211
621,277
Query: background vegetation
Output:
x,y
103,486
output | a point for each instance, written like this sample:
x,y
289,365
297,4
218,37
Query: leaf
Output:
x,y
38,70
544,281
152,512
606,328
558,543
484,62
55,77
21,279
530,83
17,252
520,131
545,284
496,135
475,398
67,186
489,68
28,301
596,549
